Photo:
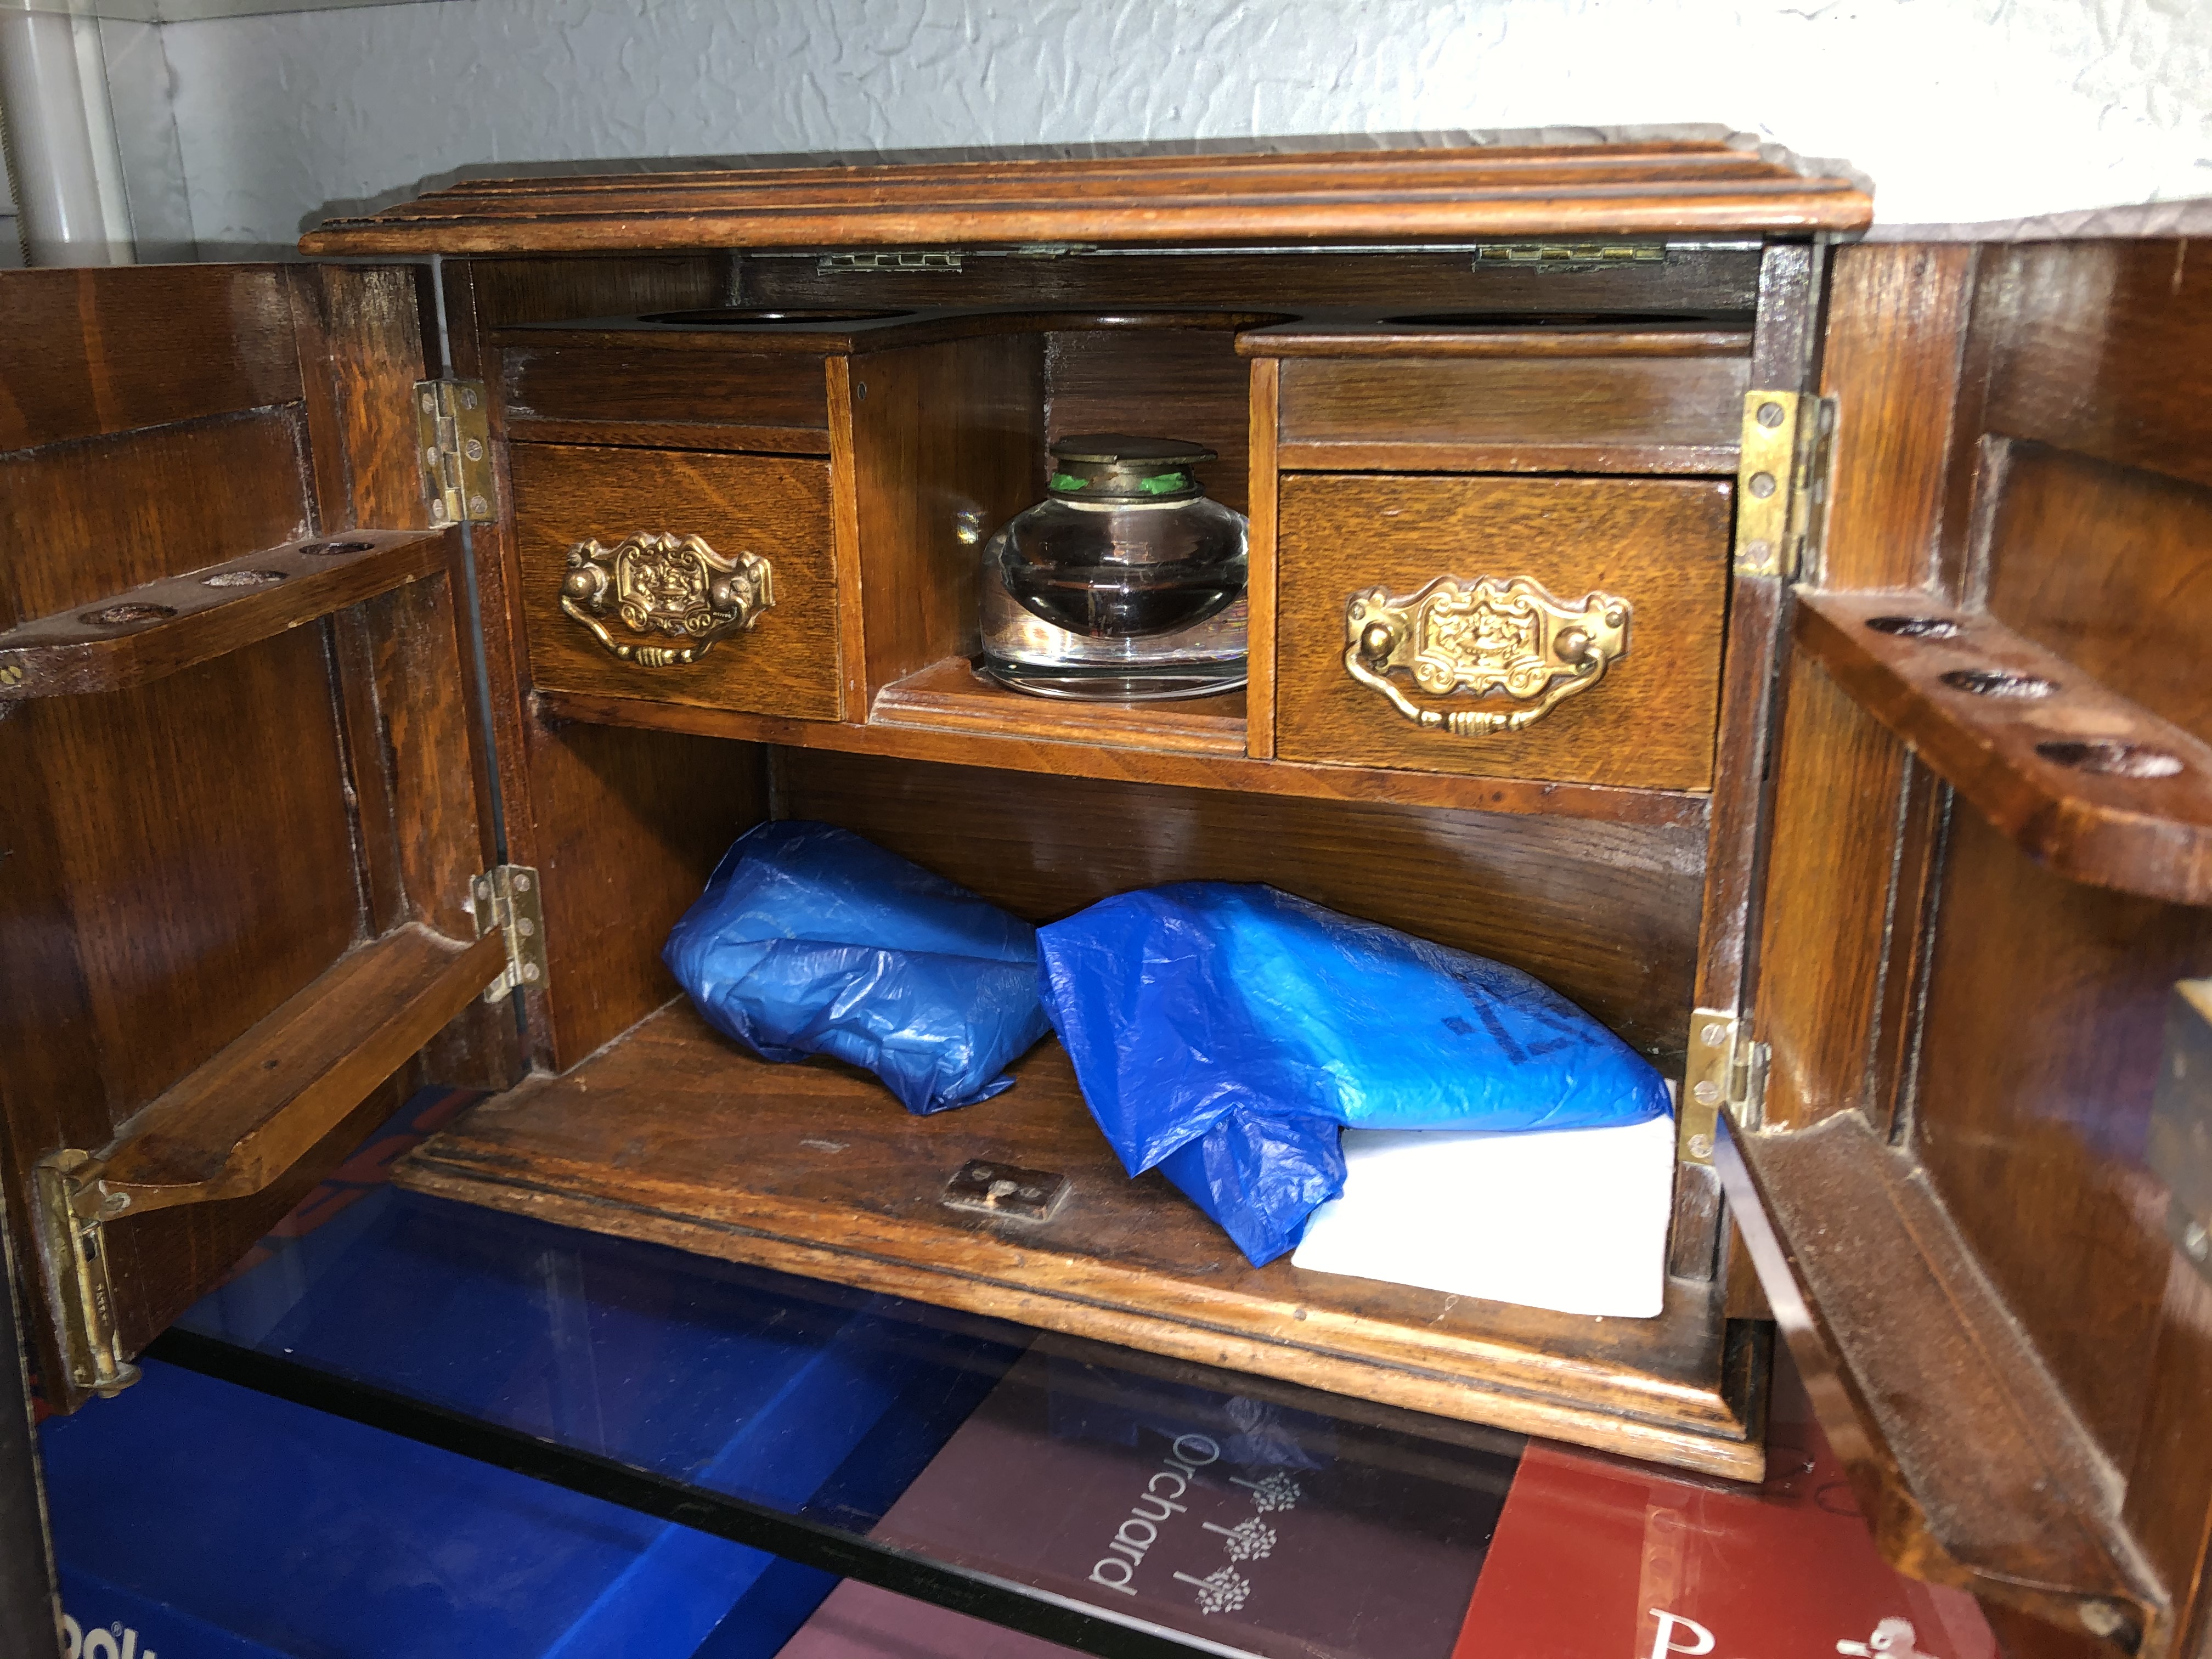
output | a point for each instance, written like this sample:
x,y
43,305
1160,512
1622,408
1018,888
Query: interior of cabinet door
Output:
x,y
1987,877
208,858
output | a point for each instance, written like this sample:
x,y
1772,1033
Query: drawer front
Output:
x,y
1578,620
774,508
1512,414
755,389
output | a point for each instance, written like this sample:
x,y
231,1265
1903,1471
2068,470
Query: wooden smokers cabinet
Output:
x,y
390,649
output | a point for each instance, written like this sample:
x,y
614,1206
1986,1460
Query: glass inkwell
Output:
x,y
1126,583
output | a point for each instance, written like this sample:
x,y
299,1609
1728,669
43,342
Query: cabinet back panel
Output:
x,y
1606,913
1706,279
1161,383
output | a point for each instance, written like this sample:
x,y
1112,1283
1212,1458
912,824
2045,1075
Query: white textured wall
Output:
x,y
1959,110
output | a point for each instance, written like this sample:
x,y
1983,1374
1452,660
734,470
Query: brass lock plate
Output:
x,y
1001,1189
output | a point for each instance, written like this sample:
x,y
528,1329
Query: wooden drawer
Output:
x,y
774,506
755,400
1660,544
1624,414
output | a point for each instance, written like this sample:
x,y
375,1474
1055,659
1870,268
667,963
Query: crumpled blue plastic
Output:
x,y
1223,1033
812,940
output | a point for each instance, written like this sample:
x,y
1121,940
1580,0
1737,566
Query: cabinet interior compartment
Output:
x,y
933,428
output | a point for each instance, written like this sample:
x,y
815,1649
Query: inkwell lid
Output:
x,y
1115,466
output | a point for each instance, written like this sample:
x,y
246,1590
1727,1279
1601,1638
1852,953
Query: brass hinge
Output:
x,y
1782,483
1725,1069
507,895
453,440
70,1213
904,259
1562,258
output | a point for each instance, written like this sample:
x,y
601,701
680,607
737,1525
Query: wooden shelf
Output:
x,y
163,627
238,1123
1134,762
1966,1461
672,1134
953,696
2097,787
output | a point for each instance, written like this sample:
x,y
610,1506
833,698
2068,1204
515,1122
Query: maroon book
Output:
x,y
1260,1526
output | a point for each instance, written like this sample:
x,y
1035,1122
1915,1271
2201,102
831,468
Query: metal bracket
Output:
x,y
1002,1190
1781,485
892,259
1725,1068
70,1213
1565,257
453,439
508,896
2180,1149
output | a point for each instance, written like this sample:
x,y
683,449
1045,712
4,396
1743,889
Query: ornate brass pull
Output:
x,y
1483,636
669,586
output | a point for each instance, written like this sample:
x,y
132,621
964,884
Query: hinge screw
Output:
x,y
1770,415
1701,1146
530,972
1714,1034
1707,1093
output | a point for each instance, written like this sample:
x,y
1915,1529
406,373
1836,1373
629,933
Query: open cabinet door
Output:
x,y
243,800
1978,1184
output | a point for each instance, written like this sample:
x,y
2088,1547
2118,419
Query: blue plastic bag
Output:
x,y
1223,1033
810,940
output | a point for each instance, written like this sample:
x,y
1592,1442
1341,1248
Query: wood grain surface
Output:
x,y
1544,414
1837,794
1265,427
947,444
233,1125
1662,545
1376,283
1183,383
1893,362
2088,558
674,1136
117,642
97,352
955,696
787,664
1362,195
1061,756
1606,913
768,391
153,503
1979,1480
1500,334
2008,756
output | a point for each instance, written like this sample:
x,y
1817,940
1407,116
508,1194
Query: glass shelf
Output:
x,y
440,1428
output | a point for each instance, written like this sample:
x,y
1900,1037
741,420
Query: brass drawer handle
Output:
x,y
675,587
1483,636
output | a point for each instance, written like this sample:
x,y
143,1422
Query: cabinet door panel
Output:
x,y
188,856
1971,941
